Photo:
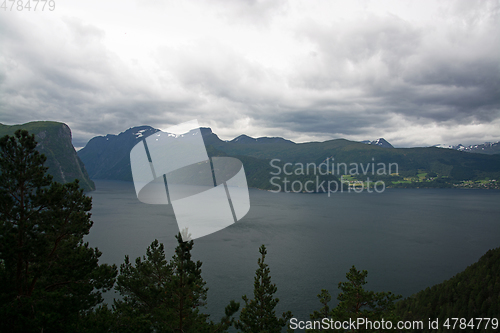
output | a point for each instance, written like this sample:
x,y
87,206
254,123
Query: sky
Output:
x,y
417,73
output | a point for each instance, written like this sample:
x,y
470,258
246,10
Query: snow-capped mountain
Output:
x,y
108,157
379,142
484,148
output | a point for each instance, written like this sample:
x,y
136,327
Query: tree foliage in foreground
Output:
x,y
162,296
258,314
356,302
49,279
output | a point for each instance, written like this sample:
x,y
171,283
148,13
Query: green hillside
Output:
x,y
447,165
54,141
108,157
473,293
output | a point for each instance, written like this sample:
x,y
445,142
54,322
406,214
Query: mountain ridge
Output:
x,y
489,148
245,139
108,157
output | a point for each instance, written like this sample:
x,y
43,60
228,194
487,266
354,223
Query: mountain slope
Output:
x,y
473,293
447,163
54,141
108,157
484,148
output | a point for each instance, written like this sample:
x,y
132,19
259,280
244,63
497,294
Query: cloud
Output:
x,y
310,70
73,77
258,13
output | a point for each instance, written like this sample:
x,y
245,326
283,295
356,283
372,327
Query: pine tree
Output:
x,y
165,296
146,292
49,279
324,312
356,302
188,289
258,315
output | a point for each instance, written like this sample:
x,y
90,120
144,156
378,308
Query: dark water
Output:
x,y
407,239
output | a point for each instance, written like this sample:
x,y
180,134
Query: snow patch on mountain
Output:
x,y
139,134
381,142
484,148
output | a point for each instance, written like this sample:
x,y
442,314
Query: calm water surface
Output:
x,y
407,239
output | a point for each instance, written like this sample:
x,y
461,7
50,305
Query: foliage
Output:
x,y
356,302
259,315
473,293
49,279
165,296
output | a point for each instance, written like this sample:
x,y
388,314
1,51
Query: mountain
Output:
x,y
107,157
379,142
489,148
245,139
446,163
54,141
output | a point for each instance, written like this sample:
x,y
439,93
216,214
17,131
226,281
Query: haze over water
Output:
x,y
407,239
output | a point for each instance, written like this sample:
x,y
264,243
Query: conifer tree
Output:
x,y
188,288
145,291
324,312
49,279
356,302
258,314
165,296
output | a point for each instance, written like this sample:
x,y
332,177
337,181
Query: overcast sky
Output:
x,y
417,73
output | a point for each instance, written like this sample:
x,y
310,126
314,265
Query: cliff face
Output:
x,y
54,141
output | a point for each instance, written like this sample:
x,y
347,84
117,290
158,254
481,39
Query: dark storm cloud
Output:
x,y
409,70
82,84
361,76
